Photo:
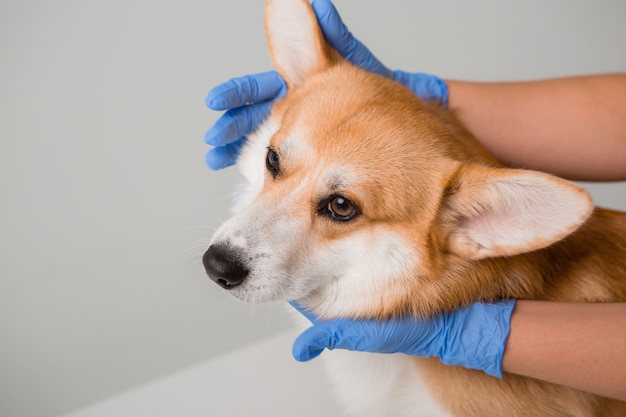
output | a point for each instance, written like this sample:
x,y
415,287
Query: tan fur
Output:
x,y
416,171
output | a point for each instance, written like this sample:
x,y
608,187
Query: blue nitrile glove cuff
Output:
x,y
477,336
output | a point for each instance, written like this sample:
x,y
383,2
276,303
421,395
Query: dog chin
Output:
x,y
256,296
258,291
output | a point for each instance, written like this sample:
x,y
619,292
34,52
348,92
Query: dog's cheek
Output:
x,y
361,271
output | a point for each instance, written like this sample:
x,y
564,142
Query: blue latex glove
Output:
x,y
472,337
425,86
248,99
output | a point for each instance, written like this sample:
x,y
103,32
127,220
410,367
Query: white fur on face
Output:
x,y
346,276
287,260
362,271
252,164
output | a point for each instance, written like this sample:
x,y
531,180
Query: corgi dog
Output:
x,y
366,202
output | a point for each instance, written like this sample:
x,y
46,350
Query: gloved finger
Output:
x,y
312,342
355,335
240,91
340,38
306,313
224,156
236,123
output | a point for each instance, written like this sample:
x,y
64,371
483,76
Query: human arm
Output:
x,y
572,127
582,346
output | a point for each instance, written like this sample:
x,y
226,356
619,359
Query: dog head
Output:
x,y
361,195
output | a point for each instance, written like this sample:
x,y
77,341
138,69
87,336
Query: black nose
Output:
x,y
223,265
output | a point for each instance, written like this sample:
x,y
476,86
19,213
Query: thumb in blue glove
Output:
x,y
473,337
425,86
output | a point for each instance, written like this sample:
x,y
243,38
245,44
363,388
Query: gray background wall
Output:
x,y
106,205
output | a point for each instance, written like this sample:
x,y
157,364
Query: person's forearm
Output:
x,y
582,346
572,127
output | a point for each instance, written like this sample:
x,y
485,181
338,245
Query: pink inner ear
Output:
x,y
508,231
515,211
294,38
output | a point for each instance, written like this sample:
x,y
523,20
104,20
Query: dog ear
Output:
x,y
490,212
296,42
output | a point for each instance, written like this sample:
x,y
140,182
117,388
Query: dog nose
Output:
x,y
223,266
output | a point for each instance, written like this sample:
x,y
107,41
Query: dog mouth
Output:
x,y
224,267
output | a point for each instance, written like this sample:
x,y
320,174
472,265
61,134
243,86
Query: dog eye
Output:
x,y
340,208
272,162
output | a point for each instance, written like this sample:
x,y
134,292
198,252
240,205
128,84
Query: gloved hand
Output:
x,y
425,86
248,99
472,337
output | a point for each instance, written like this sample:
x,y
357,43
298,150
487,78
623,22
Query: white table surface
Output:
x,y
259,380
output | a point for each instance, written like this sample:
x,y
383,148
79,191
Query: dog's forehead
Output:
x,y
337,177
294,145
328,171
363,134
